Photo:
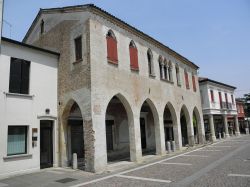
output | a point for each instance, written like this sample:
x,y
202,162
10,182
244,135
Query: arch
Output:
x,y
72,132
149,126
185,124
119,129
112,54
197,125
170,123
111,34
133,53
150,62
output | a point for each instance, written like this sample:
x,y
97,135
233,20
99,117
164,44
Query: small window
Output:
x,y
226,100
161,67
232,98
212,96
111,48
177,70
42,27
194,83
17,140
220,99
19,76
78,48
186,80
133,56
170,76
150,62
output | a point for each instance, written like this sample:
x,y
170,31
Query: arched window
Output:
x,y
133,56
194,82
150,62
177,71
186,80
161,68
165,68
111,47
170,76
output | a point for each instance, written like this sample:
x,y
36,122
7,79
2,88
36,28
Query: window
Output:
x,y
42,27
194,83
170,77
232,98
186,80
78,48
17,140
19,76
111,47
133,56
220,99
177,70
212,96
161,68
150,62
226,100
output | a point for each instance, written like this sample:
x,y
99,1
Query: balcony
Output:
x,y
226,106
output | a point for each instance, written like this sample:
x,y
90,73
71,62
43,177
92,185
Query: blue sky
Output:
x,y
214,34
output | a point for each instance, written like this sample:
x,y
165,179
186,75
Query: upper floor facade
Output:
x,y
217,98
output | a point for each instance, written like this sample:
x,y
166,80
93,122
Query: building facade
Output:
x,y
28,110
243,125
219,109
120,92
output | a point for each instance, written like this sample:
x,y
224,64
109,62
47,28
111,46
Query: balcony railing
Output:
x,y
226,106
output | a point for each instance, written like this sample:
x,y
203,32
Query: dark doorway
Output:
x,y
77,141
184,132
143,133
109,134
46,144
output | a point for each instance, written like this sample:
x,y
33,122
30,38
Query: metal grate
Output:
x,y
66,180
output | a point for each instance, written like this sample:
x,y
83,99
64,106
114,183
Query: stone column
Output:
x,y
162,70
170,74
237,132
211,125
160,137
177,133
225,125
135,139
190,131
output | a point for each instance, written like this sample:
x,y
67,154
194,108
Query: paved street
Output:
x,y
225,163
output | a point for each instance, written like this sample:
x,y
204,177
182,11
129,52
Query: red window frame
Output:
x,y
133,58
194,83
112,55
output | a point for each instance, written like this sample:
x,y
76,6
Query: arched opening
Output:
x,y
117,131
112,54
150,62
184,126
198,136
133,56
147,128
75,136
160,61
170,125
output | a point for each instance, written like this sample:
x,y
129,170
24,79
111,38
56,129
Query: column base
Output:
x,y
227,136
237,133
213,138
191,141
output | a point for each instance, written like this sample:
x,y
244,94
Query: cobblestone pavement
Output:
x,y
225,163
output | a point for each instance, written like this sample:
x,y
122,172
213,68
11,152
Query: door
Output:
x,y
46,144
109,134
77,140
143,133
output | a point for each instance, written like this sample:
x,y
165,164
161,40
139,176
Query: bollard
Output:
x,y
224,135
74,161
219,136
173,146
168,147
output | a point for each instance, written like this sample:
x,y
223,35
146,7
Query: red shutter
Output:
x,y
112,50
194,83
226,99
212,95
186,80
133,58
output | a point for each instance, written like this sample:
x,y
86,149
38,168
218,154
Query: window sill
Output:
x,y
17,156
19,95
165,80
152,76
178,84
134,69
113,62
77,61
